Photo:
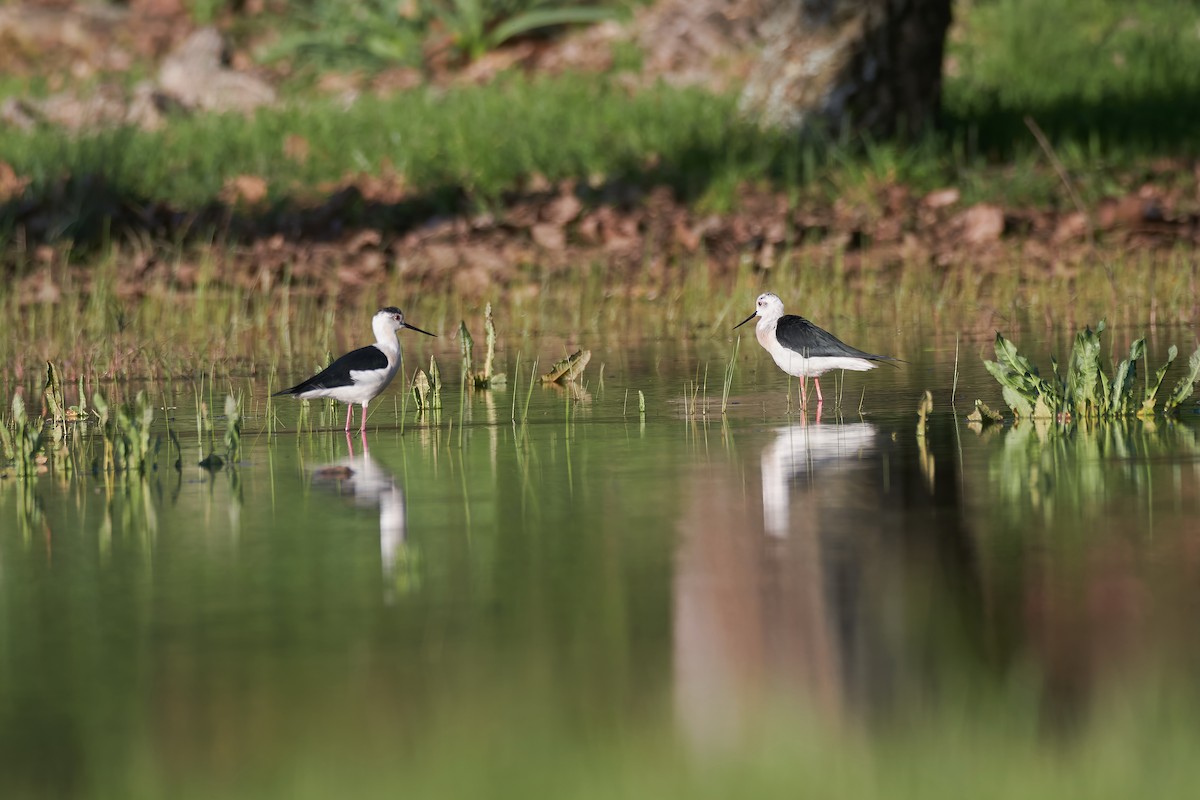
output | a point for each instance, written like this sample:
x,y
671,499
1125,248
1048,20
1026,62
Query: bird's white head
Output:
x,y
390,320
768,306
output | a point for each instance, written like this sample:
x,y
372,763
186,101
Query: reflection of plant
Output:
x,y
1086,392
1058,470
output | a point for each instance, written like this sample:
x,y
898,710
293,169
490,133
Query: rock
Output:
x,y
981,224
244,189
1070,227
562,209
16,113
195,74
549,237
940,198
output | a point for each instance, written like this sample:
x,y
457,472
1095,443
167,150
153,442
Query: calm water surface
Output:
x,y
602,603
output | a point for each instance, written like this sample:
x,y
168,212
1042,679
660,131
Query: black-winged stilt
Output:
x,y
360,375
802,349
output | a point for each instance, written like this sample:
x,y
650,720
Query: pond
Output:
x,y
592,601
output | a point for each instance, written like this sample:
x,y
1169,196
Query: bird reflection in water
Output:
x,y
827,609
371,485
801,455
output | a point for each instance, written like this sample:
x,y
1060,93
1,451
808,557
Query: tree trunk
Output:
x,y
849,66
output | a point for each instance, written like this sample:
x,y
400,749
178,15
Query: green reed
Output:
x,y
730,367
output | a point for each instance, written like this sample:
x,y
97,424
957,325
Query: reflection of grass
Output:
x,y
971,750
1057,472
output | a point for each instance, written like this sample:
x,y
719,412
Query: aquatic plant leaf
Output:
x,y
1017,402
7,443
1183,389
53,394
489,331
1008,356
1151,395
1083,375
421,390
233,427
467,347
101,406
435,384
1042,409
1013,370
1017,393
1122,386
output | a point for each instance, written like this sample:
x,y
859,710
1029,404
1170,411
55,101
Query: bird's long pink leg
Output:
x,y
363,427
803,395
817,383
349,415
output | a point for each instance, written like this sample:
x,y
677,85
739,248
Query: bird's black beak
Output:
x,y
412,327
747,319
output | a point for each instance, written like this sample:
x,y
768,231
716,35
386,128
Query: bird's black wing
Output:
x,y
801,336
338,373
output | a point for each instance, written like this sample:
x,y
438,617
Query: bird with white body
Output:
x,y
362,374
802,349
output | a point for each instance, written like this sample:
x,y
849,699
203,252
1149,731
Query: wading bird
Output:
x,y
801,348
360,375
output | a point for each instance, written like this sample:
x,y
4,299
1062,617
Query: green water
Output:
x,y
599,603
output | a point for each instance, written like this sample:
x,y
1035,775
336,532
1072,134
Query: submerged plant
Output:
x,y
23,442
487,377
1183,388
924,409
53,395
983,415
568,369
1086,392
427,388
126,434
233,428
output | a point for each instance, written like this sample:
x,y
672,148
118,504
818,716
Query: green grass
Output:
x,y
1104,74
481,140
1114,91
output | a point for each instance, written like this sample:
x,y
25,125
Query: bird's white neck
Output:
x,y
385,335
766,322
763,330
